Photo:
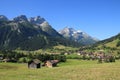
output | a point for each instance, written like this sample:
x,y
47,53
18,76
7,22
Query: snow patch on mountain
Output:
x,y
77,35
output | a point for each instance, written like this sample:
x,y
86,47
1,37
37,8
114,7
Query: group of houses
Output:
x,y
37,63
100,55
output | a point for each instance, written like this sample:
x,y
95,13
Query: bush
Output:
x,y
45,57
74,56
118,44
23,60
100,60
112,59
117,57
62,58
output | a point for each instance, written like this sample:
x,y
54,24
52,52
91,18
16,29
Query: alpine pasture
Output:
x,y
72,69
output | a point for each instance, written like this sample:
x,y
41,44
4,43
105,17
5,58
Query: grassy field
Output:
x,y
71,70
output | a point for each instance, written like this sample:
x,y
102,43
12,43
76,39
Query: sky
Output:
x,y
98,18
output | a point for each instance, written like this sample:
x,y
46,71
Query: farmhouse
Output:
x,y
51,63
34,64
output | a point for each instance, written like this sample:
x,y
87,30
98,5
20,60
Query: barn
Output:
x,y
34,64
51,63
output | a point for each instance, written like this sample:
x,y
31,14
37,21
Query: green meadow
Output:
x,y
70,70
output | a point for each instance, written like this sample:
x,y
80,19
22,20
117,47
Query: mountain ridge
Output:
x,y
78,36
19,33
113,42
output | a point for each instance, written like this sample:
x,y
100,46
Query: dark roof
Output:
x,y
36,61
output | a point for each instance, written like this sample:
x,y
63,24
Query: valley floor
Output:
x,y
70,70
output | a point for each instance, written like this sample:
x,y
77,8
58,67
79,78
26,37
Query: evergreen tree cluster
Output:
x,y
24,58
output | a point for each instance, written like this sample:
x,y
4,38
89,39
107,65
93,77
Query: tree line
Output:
x,y
12,56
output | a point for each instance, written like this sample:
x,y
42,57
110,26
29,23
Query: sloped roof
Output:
x,y
54,61
36,61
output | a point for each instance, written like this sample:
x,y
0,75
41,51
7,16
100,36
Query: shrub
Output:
x,y
23,60
118,44
112,59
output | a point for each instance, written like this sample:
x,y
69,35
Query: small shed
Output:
x,y
6,60
34,64
51,63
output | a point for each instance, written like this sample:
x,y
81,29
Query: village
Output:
x,y
51,60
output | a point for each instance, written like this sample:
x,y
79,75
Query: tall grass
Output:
x,y
71,70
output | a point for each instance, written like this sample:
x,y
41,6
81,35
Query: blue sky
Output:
x,y
98,18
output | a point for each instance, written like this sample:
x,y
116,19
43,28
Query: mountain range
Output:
x,y
78,36
35,33
29,34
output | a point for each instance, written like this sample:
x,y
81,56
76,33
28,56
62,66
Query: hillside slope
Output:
x,y
113,42
21,33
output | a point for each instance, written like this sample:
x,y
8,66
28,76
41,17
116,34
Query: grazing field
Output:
x,y
71,70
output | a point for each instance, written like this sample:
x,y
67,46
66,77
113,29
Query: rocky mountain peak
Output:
x,y
3,18
45,24
69,32
21,18
34,34
77,35
36,20
66,30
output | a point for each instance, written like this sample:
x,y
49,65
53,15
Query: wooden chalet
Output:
x,y
51,63
34,64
